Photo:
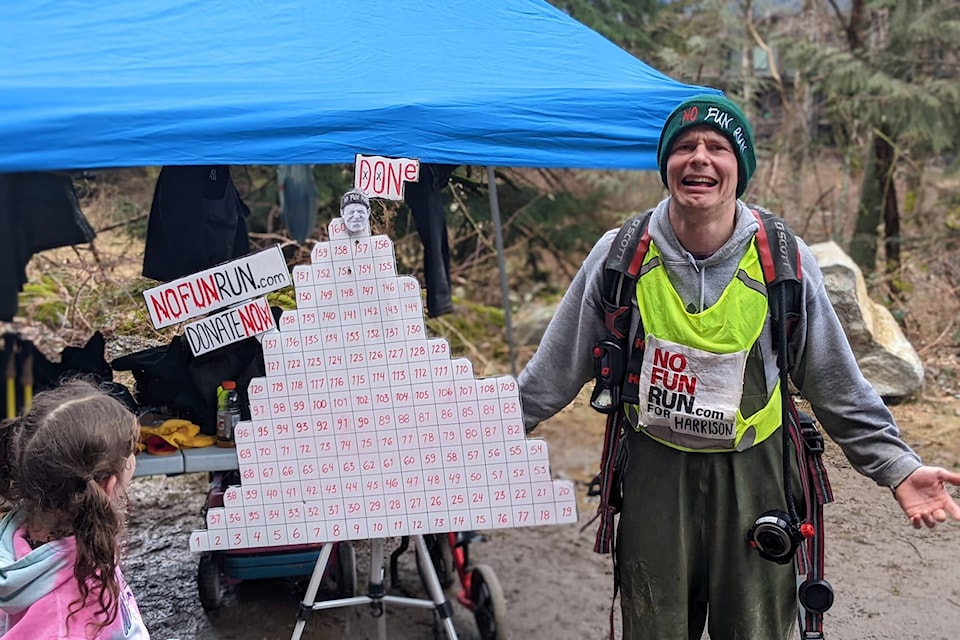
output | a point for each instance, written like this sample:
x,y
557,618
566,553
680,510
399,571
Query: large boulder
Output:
x,y
886,358
531,322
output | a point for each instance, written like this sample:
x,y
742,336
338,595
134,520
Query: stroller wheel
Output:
x,y
443,560
489,605
441,555
346,570
208,582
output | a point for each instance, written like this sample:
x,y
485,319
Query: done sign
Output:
x,y
381,177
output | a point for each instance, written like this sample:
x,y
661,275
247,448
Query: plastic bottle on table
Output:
x,y
228,413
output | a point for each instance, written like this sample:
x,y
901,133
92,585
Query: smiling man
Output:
x,y
704,445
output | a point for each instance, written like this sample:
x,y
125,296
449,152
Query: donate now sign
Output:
x,y
233,325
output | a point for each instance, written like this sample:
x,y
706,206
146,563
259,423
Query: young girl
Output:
x,y
64,468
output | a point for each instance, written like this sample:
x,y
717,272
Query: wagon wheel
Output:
x,y
209,586
443,560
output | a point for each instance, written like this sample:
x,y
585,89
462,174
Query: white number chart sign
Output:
x,y
363,427
233,325
217,288
381,177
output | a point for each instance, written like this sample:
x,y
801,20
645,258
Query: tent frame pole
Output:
x,y
502,264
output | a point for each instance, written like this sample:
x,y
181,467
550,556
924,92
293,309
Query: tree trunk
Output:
x,y
863,245
879,195
886,163
854,26
747,63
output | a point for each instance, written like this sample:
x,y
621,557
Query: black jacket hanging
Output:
x,y
197,220
426,205
38,211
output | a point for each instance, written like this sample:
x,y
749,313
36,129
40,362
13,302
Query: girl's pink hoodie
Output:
x,y
37,589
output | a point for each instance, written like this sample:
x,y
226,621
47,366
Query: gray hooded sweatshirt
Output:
x,y
826,372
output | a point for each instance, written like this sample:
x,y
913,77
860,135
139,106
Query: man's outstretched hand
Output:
x,y
923,496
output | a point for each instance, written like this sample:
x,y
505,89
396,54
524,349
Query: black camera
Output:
x,y
775,537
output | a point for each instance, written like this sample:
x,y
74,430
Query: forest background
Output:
x,y
856,111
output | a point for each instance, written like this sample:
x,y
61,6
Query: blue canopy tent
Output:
x,y
101,83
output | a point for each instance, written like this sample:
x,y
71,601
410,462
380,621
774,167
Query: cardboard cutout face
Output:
x,y
356,216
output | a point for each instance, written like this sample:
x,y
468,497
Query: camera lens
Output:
x,y
772,541
774,537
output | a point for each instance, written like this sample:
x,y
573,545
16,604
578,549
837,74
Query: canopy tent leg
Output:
x,y
502,263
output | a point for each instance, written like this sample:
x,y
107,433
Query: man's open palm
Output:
x,y
924,498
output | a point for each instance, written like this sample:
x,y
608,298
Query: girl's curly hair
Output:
x,y
54,464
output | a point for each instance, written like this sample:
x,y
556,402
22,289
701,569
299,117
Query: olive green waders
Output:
x,y
682,544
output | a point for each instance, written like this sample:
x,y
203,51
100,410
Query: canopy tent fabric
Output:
x,y
102,83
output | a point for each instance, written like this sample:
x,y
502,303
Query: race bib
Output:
x,y
692,393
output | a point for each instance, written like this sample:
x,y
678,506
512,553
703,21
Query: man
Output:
x,y
689,497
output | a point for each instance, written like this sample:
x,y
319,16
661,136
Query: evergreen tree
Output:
x,y
892,79
625,22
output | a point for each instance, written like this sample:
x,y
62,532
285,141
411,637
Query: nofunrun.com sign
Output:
x,y
217,287
227,327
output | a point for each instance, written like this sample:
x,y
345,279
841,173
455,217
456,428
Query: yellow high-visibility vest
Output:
x,y
732,325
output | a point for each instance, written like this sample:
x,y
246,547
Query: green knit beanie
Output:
x,y
721,114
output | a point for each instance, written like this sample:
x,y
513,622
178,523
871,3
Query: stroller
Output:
x,y
479,589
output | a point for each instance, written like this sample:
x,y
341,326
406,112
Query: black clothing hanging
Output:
x,y
197,220
38,211
426,204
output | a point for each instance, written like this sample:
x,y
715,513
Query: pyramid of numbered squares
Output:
x,y
365,428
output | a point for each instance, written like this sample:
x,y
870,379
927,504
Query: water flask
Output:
x,y
228,413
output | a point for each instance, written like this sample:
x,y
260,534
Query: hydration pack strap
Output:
x,y
612,451
780,262
610,356
614,386
808,443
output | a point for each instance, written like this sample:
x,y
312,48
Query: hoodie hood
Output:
x,y
26,574
699,283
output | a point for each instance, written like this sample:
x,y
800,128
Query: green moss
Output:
x,y
44,301
474,331
284,298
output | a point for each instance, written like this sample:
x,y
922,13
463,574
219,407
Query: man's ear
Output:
x,y
110,486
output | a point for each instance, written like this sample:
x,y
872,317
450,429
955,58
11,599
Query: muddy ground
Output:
x,y
891,581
